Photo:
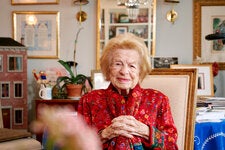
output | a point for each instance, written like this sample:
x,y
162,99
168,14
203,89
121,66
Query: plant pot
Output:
x,y
74,91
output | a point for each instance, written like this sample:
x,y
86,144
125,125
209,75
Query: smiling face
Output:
x,y
124,69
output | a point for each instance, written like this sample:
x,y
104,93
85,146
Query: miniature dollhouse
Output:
x,y
13,83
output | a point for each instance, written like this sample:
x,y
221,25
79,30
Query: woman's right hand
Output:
x,y
114,130
126,126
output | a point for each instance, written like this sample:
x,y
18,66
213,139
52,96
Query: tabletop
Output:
x,y
210,135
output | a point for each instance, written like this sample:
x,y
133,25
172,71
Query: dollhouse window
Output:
x,y
18,89
18,116
1,63
4,89
15,63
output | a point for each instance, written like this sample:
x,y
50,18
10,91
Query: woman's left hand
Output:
x,y
132,126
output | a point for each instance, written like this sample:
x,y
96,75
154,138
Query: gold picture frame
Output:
x,y
33,2
38,31
198,36
205,78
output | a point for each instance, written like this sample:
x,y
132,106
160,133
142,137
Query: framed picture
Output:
x,y
205,78
163,62
33,2
121,30
210,12
98,80
38,31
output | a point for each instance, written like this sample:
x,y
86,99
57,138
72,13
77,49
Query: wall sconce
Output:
x,y
81,16
172,15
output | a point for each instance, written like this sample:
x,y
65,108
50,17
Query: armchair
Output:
x,y
180,85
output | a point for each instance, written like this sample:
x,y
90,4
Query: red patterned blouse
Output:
x,y
149,106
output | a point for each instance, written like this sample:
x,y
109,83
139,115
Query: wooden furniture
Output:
x,y
54,102
113,20
180,85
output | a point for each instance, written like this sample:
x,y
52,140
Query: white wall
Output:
x,y
171,39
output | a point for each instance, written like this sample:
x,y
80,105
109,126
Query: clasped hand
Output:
x,y
126,126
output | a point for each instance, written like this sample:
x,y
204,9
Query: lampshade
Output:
x,y
80,2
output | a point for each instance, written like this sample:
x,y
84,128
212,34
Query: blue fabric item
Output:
x,y
209,136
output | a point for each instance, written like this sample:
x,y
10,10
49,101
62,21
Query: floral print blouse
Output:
x,y
149,106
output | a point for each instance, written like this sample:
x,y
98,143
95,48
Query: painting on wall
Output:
x,y
39,32
33,2
209,16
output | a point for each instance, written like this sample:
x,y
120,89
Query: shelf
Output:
x,y
113,20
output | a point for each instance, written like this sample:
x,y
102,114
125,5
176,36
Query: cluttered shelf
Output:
x,y
210,124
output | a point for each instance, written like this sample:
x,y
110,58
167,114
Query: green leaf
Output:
x,y
67,67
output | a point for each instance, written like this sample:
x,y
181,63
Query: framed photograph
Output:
x,y
98,80
33,2
163,62
38,31
205,78
121,30
210,12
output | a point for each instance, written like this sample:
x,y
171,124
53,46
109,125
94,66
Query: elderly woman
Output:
x,y
126,116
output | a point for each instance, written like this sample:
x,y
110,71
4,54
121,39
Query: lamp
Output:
x,y
132,7
80,2
81,16
172,14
